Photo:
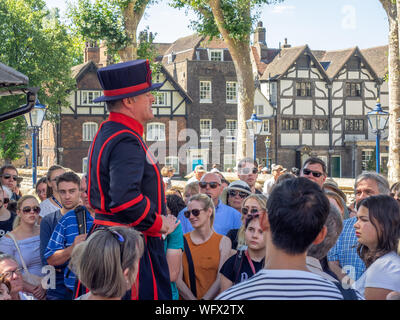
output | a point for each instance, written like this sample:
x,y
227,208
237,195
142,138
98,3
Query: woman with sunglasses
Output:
x,y
107,263
7,216
25,234
378,232
205,252
245,263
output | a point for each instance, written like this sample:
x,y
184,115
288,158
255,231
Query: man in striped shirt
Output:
x,y
297,210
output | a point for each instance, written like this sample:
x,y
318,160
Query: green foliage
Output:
x,y
239,16
37,44
147,49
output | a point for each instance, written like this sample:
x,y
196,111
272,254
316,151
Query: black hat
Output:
x,y
126,79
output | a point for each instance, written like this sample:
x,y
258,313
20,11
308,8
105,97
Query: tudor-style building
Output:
x,y
80,122
322,99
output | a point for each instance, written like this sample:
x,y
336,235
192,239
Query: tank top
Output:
x,y
206,258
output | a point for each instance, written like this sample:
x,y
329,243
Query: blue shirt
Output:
x,y
63,237
345,251
226,218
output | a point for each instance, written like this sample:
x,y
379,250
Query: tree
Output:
x,y
35,43
113,21
233,21
393,12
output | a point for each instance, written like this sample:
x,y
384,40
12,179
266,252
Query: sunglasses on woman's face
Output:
x,y
8,176
246,211
35,209
234,193
212,185
194,212
248,170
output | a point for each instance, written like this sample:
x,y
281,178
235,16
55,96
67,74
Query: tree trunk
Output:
x,y
394,91
131,19
240,52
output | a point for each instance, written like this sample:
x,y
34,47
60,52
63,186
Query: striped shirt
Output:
x,y
283,285
63,237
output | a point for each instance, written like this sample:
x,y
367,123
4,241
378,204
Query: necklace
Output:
x,y
56,201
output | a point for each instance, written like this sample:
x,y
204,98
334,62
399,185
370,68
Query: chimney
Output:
x,y
286,45
92,52
260,34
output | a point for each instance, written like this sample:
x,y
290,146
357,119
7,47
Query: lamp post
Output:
x,y
34,120
378,119
26,152
254,124
267,146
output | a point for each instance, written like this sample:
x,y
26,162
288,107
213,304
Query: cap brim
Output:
x,y
155,86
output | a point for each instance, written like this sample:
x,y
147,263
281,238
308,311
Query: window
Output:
x,y
307,124
231,129
216,55
321,124
303,62
366,160
205,91
265,127
303,89
353,125
231,92
161,98
155,131
87,97
84,165
259,109
205,129
353,89
172,162
89,130
290,124
229,161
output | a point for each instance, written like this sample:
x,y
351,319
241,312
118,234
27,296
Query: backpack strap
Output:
x,y
238,265
348,294
192,277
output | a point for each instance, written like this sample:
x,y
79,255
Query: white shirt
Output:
x,y
47,207
383,273
268,185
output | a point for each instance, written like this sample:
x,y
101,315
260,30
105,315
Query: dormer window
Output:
x,y
216,55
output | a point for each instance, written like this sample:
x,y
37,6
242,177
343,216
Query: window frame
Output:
x,y
85,134
96,94
213,51
149,128
231,132
205,137
304,89
174,164
229,92
207,90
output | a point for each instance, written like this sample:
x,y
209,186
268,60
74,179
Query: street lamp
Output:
x,y
34,120
378,119
254,124
267,146
26,152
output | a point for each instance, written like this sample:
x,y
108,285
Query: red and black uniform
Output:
x,y
125,188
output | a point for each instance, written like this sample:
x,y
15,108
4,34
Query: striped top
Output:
x,y
283,285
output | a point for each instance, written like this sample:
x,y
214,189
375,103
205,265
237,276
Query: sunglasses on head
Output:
x,y
117,236
248,171
8,176
234,193
314,173
35,209
212,185
194,212
246,211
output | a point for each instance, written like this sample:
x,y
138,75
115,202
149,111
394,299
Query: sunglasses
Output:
x,y
8,176
6,200
314,173
29,209
212,185
194,212
234,193
245,211
248,171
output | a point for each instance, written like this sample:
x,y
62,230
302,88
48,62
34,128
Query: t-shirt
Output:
x,y
231,270
47,207
7,225
383,273
283,285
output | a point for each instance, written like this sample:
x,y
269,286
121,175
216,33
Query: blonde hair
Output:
x,y
98,262
207,203
192,187
262,201
21,200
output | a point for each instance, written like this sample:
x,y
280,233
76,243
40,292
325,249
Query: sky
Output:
x,y
321,24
